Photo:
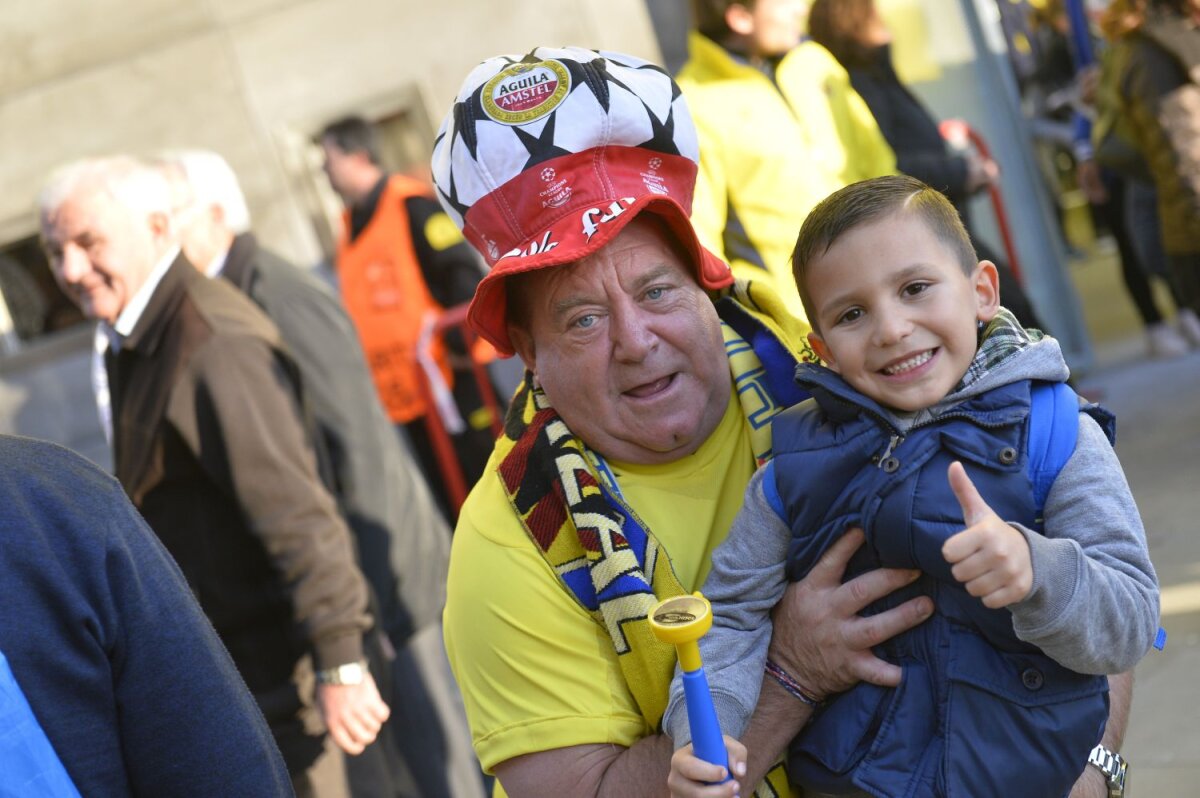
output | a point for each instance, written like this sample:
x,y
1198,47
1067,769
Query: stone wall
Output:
x,y
253,80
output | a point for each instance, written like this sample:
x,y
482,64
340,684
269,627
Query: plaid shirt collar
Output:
x,y
1001,339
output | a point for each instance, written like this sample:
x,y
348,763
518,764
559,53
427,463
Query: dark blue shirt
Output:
x,y
122,670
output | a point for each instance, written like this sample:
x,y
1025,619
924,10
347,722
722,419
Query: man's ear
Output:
x,y
522,343
986,281
362,159
818,344
160,228
739,19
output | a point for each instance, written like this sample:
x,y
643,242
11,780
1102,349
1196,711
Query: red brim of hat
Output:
x,y
574,237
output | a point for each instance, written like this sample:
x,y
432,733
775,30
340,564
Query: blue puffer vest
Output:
x,y
978,713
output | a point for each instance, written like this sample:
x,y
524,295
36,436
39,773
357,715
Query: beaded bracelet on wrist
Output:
x,y
793,687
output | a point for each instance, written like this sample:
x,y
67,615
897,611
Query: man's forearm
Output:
x,y
592,771
778,718
1092,783
1120,697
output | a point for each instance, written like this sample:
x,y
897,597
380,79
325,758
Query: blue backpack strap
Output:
x,y
1053,431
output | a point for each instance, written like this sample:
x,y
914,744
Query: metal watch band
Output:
x,y
350,673
1113,766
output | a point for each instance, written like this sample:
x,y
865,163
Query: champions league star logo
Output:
x,y
557,193
516,113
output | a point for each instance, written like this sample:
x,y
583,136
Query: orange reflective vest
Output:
x,y
385,294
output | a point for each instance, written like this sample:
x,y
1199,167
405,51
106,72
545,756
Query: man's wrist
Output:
x,y
351,673
792,685
1112,767
329,651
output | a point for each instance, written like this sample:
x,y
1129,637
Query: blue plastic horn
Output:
x,y
682,621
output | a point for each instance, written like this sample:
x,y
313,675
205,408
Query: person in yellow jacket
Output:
x,y
780,128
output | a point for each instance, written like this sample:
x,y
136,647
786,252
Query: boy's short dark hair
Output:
x,y
868,201
352,134
709,16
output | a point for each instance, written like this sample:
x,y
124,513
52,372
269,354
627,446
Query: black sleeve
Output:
x,y
450,266
945,172
913,135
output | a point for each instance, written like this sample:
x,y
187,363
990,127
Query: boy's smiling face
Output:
x,y
896,313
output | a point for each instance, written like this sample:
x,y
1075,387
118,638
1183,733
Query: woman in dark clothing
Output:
x,y
854,32
1160,98
856,35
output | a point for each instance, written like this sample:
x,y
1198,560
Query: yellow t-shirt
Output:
x,y
535,670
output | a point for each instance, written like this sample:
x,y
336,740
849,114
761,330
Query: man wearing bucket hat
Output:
x,y
652,379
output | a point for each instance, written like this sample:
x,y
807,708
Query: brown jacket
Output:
x,y
212,445
403,543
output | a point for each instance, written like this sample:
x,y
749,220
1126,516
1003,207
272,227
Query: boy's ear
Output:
x,y
818,344
986,280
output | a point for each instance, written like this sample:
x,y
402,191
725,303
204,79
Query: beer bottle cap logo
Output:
x,y
525,92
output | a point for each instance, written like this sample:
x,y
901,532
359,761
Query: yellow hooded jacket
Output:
x,y
771,151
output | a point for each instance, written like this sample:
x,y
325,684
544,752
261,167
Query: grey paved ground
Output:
x,y
1158,440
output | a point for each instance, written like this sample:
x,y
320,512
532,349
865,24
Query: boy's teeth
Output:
x,y
911,363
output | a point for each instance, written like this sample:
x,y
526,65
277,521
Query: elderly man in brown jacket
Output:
x,y
212,443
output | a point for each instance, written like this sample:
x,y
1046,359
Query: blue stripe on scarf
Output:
x,y
778,363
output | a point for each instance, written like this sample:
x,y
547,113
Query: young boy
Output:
x,y
917,433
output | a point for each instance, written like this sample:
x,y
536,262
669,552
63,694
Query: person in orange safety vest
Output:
x,y
400,262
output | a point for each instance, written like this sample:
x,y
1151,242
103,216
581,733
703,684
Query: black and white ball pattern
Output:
x,y
613,99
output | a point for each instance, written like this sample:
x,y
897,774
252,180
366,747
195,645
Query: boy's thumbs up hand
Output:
x,y
974,508
989,557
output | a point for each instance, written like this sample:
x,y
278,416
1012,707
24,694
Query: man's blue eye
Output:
x,y
584,322
655,293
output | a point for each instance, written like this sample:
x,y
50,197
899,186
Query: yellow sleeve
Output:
x,y
710,200
535,670
876,157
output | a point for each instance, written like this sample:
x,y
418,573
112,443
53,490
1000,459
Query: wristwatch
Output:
x,y
1114,768
350,673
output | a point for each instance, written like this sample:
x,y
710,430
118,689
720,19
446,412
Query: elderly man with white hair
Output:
x,y
211,444
403,541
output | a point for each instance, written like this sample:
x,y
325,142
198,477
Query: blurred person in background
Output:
x,y
211,443
855,33
780,128
121,677
1079,121
1149,99
403,541
400,263
1114,177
